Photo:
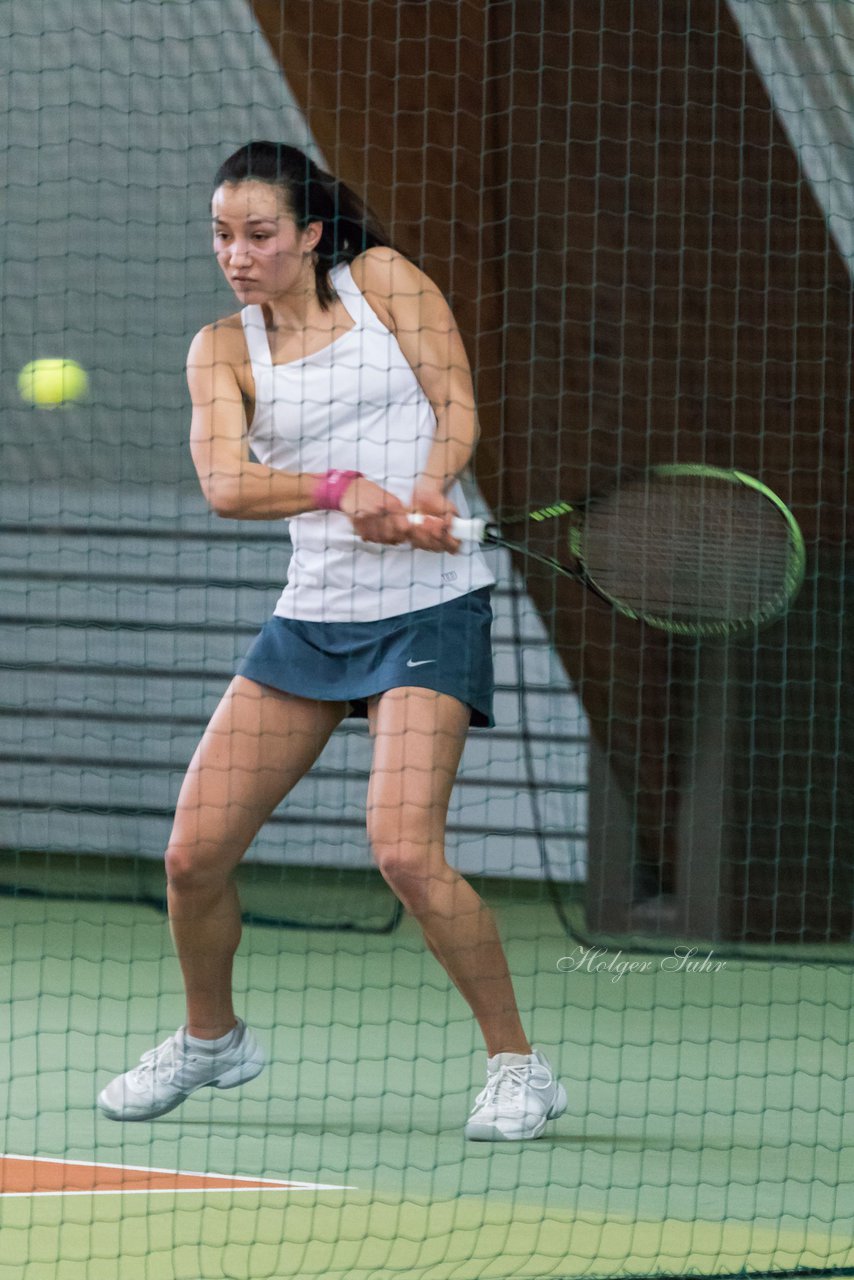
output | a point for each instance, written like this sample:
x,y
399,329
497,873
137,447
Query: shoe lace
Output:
x,y
161,1062
505,1084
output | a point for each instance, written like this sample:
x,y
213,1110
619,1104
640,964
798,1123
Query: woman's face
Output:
x,y
258,245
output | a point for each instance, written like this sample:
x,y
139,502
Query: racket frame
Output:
x,y
559,509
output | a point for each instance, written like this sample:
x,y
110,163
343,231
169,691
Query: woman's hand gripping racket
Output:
x,y
692,550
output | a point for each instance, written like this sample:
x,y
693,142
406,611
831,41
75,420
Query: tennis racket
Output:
x,y
688,549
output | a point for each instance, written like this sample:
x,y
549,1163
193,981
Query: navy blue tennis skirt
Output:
x,y
446,648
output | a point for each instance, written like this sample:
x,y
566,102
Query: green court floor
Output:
x,y
709,1129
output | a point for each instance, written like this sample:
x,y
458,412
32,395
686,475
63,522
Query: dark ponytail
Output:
x,y
349,226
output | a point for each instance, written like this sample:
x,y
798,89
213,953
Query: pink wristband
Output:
x,y
329,489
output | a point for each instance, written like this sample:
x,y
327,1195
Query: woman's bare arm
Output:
x,y
428,336
234,486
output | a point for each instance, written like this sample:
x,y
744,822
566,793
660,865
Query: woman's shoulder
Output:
x,y
222,340
394,286
384,271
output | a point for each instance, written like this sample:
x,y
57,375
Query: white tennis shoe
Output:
x,y
521,1094
168,1074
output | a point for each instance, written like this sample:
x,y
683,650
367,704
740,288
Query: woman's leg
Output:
x,y
258,745
418,741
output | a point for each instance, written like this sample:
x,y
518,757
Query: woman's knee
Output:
x,y
408,859
398,862
191,870
394,839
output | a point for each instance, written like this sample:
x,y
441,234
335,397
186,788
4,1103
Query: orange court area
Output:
x,y
40,1175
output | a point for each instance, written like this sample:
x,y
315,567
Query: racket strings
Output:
x,y
689,550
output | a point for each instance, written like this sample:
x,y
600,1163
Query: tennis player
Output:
x,y
348,368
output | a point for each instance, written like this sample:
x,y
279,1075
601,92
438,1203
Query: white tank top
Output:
x,y
356,405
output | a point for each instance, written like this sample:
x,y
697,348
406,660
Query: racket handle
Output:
x,y
467,530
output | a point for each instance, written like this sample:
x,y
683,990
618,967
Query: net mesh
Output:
x,y
638,214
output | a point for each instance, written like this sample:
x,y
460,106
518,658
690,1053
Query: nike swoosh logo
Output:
x,y
423,662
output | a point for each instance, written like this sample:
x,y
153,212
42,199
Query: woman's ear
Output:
x,y
311,236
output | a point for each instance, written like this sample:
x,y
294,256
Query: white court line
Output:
x,y
179,1191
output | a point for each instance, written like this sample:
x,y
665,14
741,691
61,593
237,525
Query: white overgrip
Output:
x,y
469,529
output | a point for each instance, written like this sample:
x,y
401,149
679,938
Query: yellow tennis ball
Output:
x,y
48,383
